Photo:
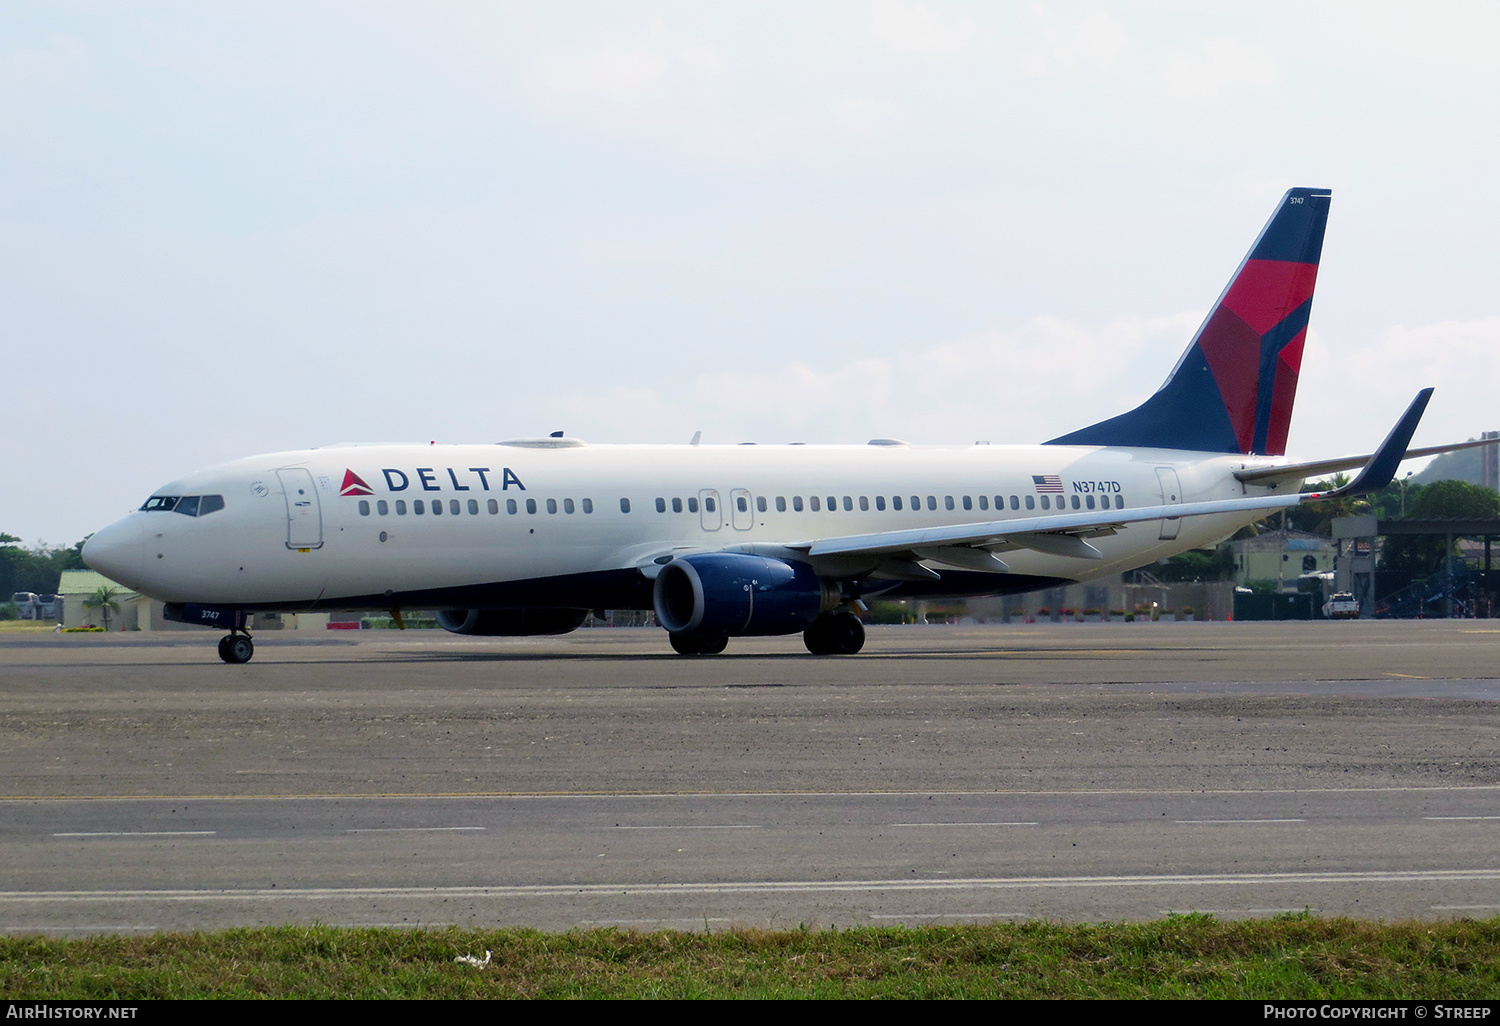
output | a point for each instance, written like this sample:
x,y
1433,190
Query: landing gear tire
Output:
x,y
236,648
835,634
698,644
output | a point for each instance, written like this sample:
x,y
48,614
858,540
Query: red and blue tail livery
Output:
x,y
1233,389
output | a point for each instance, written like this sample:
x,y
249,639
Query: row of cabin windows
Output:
x,y
456,507
815,503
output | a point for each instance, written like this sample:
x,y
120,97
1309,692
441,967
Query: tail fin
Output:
x,y
1232,391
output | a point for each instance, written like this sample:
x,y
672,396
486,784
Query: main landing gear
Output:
x,y
236,647
838,633
698,644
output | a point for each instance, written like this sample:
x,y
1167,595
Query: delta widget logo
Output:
x,y
354,484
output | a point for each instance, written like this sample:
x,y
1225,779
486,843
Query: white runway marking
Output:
x,y
1463,908
676,826
760,887
1189,822
956,915
408,830
1456,818
140,833
1015,823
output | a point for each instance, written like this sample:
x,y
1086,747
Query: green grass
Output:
x,y
1180,957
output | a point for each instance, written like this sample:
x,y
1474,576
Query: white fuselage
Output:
x,y
579,525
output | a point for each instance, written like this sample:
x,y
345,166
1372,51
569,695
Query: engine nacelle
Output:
x,y
733,593
510,622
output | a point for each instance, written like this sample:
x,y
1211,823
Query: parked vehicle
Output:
x,y
1342,605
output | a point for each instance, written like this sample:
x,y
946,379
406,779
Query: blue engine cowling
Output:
x,y
732,593
510,622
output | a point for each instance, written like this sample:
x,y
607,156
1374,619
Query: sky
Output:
x,y
237,228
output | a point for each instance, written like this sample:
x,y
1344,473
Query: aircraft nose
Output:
x,y
118,552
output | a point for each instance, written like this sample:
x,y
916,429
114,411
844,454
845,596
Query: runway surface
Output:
x,y
1073,772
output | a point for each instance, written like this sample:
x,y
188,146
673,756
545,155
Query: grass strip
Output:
x,y
1193,956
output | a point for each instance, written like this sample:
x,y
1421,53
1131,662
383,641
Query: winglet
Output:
x,y
1382,466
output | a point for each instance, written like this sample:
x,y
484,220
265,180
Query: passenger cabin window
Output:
x,y
1119,502
797,503
984,502
494,506
676,505
880,502
454,508
815,504
417,509
400,507
624,505
932,502
588,506
437,507
531,505
896,503
473,507
760,503
692,504
364,507
661,505
551,505
1030,502
567,505
510,506
781,504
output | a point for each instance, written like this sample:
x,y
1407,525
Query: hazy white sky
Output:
x,y
228,229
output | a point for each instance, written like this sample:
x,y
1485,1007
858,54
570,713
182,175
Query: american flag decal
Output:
x,y
1047,484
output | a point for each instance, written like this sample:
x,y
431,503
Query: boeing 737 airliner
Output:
x,y
527,536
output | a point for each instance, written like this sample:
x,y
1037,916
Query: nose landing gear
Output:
x,y
236,647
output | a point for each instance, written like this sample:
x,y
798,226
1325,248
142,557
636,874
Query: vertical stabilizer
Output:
x,y
1233,389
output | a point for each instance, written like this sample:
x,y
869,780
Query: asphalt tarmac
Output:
x,y
1072,772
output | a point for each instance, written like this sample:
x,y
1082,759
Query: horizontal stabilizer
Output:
x,y
1318,468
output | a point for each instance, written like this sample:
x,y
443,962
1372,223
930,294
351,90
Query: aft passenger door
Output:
x,y
1171,495
304,512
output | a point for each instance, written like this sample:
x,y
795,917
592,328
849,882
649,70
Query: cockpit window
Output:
x,y
187,505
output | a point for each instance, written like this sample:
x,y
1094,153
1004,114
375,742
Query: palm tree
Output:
x,y
104,600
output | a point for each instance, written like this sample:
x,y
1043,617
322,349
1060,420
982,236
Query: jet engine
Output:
x,y
734,593
510,622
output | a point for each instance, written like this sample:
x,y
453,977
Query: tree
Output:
x,y
103,599
36,569
1318,517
